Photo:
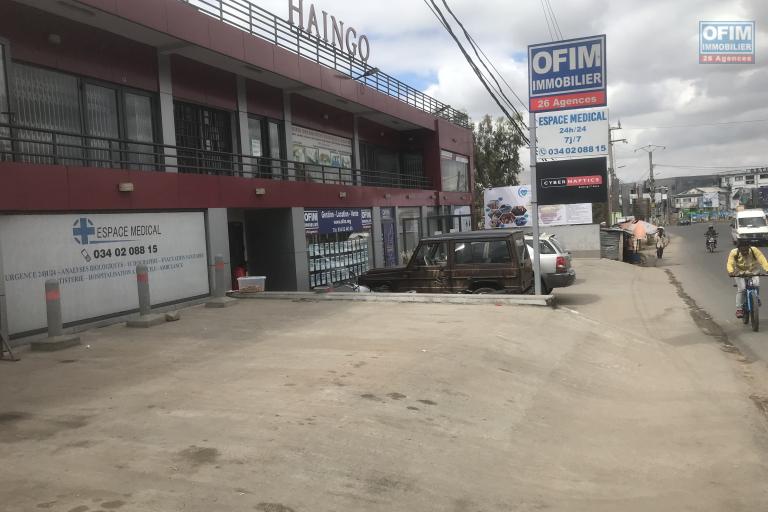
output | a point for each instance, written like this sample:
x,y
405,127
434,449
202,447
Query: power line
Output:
x,y
444,22
745,166
477,54
546,19
697,125
554,19
522,103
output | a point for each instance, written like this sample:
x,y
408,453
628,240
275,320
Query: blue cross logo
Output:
x,y
82,229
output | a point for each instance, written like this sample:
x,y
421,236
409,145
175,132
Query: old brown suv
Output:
x,y
470,262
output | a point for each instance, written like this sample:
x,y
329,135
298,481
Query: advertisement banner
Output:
x,y
510,207
94,258
710,200
572,134
726,42
349,220
583,180
567,74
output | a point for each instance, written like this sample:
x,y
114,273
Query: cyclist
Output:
x,y
745,259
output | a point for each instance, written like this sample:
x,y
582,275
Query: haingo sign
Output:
x,y
329,29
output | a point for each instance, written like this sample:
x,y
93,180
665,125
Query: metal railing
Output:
x,y
48,147
265,25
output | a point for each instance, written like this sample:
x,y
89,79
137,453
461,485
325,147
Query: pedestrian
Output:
x,y
662,241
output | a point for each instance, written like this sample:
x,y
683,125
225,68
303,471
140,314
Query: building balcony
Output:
x,y
26,145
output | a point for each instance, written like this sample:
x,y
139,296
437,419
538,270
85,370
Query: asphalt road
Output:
x,y
704,278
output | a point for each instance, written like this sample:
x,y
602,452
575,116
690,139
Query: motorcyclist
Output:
x,y
745,259
711,232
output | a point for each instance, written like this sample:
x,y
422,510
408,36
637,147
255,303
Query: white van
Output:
x,y
750,225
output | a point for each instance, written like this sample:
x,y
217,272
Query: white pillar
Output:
x,y
168,128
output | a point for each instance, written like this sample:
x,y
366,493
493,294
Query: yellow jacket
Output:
x,y
750,263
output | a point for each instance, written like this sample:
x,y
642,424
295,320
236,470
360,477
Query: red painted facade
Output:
x,y
91,52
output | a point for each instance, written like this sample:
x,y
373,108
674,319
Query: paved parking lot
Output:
x,y
283,406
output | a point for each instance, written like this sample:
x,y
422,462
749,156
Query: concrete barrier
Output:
x,y
146,318
425,298
220,299
56,339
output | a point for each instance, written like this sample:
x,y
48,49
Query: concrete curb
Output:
x,y
423,298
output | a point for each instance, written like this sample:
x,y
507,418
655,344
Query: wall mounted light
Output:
x,y
325,116
54,39
126,186
381,134
260,191
387,196
342,195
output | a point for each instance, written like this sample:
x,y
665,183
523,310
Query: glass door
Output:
x,y
101,121
140,130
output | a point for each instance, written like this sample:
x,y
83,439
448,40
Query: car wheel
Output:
x,y
485,290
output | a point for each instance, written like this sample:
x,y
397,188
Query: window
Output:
x,y
738,178
469,253
750,180
454,170
764,176
433,254
5,132
204,137
545,247
73,107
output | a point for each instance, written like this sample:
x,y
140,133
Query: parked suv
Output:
x,y
469,262
555,261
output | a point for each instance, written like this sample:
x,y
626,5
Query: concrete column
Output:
x,y
378,239
217,229
288,134
424,222
56,340
242,122
168,128
356,160
301,256
4,331
399,235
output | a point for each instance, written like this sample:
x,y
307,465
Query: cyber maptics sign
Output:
x,y
584,180
567,74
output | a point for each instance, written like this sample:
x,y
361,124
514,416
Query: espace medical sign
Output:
x,y
567,74
94,258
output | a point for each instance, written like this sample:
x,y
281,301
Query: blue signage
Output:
x,y
726,42
346,220
567,74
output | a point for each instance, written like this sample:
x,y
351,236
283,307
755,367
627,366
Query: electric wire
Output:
x,y
555,24
444,22
546,19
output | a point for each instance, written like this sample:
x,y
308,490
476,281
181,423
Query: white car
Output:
x,y
556,268
751,225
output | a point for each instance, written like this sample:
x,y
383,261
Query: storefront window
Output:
x,y
204,137
339,245
389,237
451,219
5,132
454,170
328,157
410,231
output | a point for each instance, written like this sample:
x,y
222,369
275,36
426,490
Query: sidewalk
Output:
x,y
613,401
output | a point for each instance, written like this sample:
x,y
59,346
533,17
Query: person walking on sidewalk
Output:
x,y
744,259
662,241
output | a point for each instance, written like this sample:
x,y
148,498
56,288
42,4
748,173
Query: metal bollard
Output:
x,y
56,340
53,308
142,283
220,277
220,280
146,318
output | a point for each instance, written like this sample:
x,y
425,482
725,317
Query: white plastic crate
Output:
x,y
251,283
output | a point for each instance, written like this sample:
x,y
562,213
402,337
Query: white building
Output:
x,y
704,198
745,178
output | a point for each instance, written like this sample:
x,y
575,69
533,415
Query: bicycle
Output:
x,y
752,300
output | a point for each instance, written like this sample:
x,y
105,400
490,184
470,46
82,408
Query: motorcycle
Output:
x,y
711,243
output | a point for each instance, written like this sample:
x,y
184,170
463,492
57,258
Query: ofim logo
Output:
x,y
726,42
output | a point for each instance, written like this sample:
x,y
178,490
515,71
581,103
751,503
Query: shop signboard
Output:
x,y
567,74
582,180
94,258
510,207
710,200
347,220
572,134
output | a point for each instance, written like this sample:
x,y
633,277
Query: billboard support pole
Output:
x,y
534,206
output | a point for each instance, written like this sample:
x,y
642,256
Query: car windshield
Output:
x,y
544,247
558,245
751,222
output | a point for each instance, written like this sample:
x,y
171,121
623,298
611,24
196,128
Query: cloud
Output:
x,y
654,78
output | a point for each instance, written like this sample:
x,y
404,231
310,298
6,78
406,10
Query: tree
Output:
x,y
497,155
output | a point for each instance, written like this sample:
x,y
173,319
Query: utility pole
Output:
x,y
612,171
650,148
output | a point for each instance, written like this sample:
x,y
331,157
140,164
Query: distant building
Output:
x,y
745,178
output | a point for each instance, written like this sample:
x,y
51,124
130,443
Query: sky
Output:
x,y
656,87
